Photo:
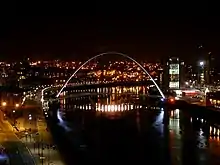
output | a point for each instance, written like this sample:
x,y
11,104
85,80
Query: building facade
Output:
x,y
174,73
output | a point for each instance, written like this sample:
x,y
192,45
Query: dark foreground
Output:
x,y
140,137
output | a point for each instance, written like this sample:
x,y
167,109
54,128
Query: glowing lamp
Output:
x,y
172,100
201,63
4,104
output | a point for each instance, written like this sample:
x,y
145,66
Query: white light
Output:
x,y
201,63
206,90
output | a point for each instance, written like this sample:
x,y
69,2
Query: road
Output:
x,y
37,137
18,153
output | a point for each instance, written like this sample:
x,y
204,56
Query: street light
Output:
x,y
16,105
13,115
201,63
4,103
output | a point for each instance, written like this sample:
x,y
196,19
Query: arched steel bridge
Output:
x,y
108,53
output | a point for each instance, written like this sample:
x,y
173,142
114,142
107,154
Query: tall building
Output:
x,y
210,69
202,71
174,73
206,67
206,70
182,74
160,77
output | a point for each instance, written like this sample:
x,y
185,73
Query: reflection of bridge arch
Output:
x,y
106,53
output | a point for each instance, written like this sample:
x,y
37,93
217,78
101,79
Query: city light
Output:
x,y
16,105
171,100
201,63
4,104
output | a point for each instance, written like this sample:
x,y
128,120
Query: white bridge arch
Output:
x,y
107,53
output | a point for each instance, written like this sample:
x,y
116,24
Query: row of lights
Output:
x,y
114,108
4,104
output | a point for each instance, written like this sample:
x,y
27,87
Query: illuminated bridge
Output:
x,y
104,54
110,53
127,97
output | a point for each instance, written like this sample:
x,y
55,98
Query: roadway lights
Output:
x,y
4,104
16,105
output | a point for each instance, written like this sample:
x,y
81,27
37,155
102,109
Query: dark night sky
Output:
x,y
66,31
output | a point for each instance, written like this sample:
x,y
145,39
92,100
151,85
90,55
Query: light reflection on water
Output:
x,y
113,108
205,135
108,99
191,140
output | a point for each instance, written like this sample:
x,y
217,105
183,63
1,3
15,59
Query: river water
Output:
x,y
127,128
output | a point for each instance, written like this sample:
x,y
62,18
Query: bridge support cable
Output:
x,y
107,53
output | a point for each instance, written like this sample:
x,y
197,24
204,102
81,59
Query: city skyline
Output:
x,y
108,82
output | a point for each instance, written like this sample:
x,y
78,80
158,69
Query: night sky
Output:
x,y
69,32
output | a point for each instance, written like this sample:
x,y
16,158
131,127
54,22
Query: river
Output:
x,y
116,127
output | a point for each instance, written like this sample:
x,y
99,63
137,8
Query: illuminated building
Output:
x,y
210,69
160,77
174,74
206,67
213,99
201,73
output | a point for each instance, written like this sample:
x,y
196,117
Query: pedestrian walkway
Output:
x,y
51,153
41,146
43,153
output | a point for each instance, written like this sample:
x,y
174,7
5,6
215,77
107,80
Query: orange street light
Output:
x,y
4,103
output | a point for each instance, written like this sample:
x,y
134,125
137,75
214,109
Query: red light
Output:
x,y
172,100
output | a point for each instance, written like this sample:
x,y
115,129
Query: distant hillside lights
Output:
x,y
55,71
116,75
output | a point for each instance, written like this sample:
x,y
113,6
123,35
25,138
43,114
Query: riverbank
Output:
x,y
197,110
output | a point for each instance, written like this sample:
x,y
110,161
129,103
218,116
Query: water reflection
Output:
x,y
113,108
111,99
193,140
139,132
